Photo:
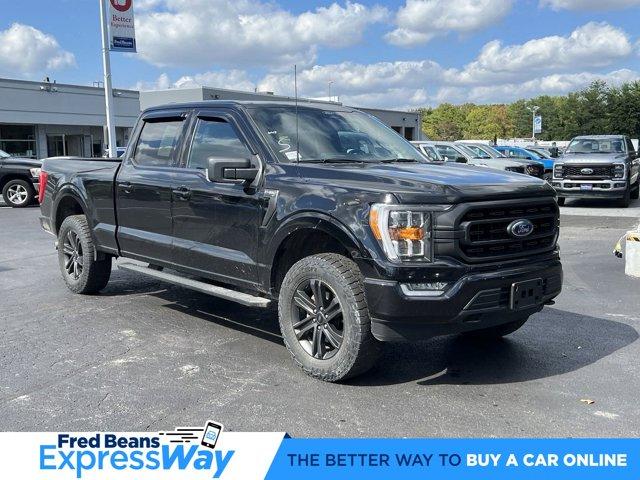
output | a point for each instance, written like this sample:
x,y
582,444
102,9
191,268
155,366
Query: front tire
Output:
x,y
561,201
324,318
497,332
625,201
18,193
77,257
635,192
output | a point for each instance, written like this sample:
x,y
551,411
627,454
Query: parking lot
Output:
x,y
147,356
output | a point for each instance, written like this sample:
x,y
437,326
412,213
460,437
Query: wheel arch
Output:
x,y
14,176
306,234
68,202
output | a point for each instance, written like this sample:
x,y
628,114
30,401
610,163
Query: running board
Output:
x,y
203,287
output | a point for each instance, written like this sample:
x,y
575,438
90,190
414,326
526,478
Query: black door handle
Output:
x,y
183,193
126,187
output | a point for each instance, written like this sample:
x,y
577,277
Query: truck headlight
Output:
x,y
35,172
403,232
557,171
618,170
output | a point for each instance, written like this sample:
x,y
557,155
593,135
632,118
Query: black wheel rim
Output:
x,y
318,321
72,251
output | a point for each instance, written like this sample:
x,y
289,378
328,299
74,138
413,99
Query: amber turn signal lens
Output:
x,y
408,233
373,223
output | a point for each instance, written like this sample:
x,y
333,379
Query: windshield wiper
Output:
x,y
400,160
333,160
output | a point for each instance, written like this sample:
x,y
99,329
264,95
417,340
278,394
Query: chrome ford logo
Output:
x,y
520,228
586,171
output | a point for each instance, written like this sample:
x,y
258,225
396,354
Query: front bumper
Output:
x,y
575,188
475,301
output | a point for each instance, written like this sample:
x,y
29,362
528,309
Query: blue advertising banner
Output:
x,y
471,459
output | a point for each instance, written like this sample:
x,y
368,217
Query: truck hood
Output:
x,y
582,158
428,183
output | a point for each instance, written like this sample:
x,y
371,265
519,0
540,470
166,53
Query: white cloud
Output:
x,y
246,32
592,5
590,46
26,51
231,79
418,21
556,84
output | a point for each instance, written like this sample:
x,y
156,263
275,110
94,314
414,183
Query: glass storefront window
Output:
x,y
18,140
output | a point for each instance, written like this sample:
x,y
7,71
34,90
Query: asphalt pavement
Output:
x,y
146,356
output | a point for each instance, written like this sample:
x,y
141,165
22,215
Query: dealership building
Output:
x,y
47,119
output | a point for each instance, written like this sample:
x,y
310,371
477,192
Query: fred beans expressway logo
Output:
x,y
189,451
121,5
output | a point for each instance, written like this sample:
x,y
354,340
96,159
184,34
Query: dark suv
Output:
x,y
322,209
598,166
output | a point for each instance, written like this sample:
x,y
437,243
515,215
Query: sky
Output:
x,y
385,54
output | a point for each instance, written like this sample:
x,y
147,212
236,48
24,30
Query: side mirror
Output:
x,y
461,159
230,170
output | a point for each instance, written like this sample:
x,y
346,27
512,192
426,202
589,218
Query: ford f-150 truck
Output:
x,y
598,166
320,208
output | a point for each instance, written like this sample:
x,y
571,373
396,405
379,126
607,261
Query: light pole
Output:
x,y
330,83
533,111
108,91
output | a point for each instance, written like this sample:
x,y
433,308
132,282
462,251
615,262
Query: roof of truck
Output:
x,y
249,104
603,137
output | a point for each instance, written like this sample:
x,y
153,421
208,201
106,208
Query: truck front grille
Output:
x,y
587,171
486,233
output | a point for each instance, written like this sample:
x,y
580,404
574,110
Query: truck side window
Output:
x,y
215,138
157,143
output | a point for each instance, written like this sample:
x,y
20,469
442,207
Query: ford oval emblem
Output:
x,y
520,228
586,171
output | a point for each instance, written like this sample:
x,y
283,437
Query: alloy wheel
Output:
x,y
318,320
73,258
17,194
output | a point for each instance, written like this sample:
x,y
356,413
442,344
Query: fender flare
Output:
x,y
67,191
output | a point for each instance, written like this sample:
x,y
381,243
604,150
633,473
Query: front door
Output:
x,y
144,189
215,225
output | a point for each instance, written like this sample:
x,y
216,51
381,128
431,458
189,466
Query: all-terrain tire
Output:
x,y
561,201
358,350
77,257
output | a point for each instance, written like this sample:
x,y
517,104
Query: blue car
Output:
x,y
519,152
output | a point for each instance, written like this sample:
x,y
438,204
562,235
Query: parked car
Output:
x,y
429,150
460,152
598,166
519,152
356,236
489,154
19,179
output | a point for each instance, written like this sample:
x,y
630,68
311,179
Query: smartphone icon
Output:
x,y
211,434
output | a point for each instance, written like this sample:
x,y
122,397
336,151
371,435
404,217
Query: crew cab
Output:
x,y
19,179
322,209
598,166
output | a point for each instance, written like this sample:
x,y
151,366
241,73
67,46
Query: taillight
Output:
x,y
43,185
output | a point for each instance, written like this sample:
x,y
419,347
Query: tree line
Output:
x,y
597,109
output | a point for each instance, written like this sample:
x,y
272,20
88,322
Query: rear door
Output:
x,y
144,187
216,225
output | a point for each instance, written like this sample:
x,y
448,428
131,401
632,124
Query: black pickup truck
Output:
x,y
322,209
19,179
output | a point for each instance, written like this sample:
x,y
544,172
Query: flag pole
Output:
x,y
108,89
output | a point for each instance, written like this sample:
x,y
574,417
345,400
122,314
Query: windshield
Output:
x,y
476,151
326,135
4,154
538,153
595,145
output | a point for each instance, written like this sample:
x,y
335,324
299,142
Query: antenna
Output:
x,y
295,86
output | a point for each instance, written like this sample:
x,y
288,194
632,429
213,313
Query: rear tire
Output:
x,y
324,318
76,255
561,201
18,193
497,332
